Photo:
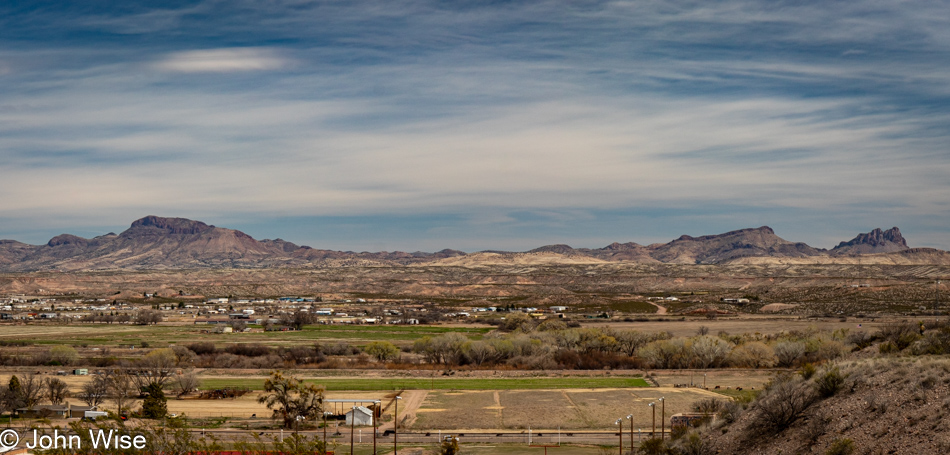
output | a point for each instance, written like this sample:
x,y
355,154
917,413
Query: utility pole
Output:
x,y
376,409
325,432
395,422
619,432
936,296
653,405
630,418
663,419
352,427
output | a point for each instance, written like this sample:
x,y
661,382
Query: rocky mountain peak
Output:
x,y
877,237
170,225
876,241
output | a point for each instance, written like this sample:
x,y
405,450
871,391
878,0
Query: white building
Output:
x,y
364,416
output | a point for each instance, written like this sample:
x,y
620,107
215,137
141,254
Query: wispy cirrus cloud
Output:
x,y
224,60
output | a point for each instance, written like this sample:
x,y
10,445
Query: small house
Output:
x,y
363,416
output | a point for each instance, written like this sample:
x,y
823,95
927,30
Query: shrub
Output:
x,y
248,350
730,412
808,370
841,447
789,353
754,354
202,348
888,347
901,335
691,444
708,406
860,339
829,382
302,355
783,402
654,446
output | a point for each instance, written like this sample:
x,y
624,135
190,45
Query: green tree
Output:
x,y
289,398
14,385
154,406
382,350
63,355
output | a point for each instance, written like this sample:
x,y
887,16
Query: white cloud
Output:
x,y
223,60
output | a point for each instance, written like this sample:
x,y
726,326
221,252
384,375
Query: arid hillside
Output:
x,y
874,406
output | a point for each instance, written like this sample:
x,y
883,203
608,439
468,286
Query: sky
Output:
x,y
422,125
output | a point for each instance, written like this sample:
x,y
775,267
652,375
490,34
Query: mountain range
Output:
x,y
156,242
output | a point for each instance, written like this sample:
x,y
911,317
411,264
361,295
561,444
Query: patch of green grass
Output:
x,y
334,384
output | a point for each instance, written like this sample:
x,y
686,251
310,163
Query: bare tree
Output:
x,y
121,387
95,391
296,320
183,356
156,367
148,317
56,390
187,382
709,351
31,390
789,352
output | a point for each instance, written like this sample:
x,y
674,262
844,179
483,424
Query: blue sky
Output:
x,y
422,125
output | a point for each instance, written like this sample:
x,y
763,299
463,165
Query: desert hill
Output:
x,y
874,405
156,242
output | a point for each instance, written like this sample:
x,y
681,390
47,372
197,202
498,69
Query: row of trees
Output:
x,y
148,377
556,346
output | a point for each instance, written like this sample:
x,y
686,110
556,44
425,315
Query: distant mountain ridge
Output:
x,y
155,242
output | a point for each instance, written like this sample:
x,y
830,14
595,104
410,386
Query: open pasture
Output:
x,y
114,335
568,409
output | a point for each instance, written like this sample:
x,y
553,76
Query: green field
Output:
x,y
336,384
159,336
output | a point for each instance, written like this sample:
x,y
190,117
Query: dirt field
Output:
x,y
549,409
